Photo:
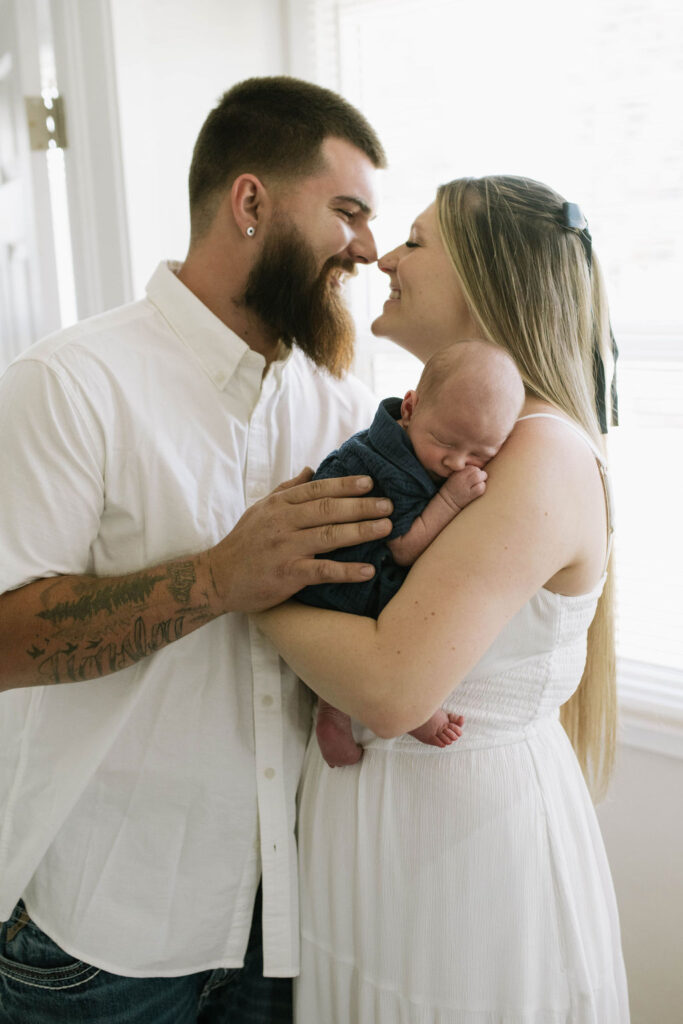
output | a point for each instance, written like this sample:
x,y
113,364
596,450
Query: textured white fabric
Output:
x,y
467,885
138,810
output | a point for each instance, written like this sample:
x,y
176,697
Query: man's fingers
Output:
x,y
301,478
327,511
320,570
309,503
329,537
335,487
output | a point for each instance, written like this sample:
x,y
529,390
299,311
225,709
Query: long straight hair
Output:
x,y
529,283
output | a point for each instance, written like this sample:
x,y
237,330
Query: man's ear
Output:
x,y
408,406
249,199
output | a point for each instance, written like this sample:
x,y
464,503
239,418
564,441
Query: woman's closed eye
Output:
x,y
412,245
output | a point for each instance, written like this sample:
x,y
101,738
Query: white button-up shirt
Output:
x,y
139,811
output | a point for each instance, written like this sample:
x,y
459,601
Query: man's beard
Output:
x,y
301,305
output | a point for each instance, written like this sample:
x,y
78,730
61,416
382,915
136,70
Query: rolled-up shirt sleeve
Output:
x,y
51,467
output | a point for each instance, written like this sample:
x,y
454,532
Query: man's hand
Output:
x,y
270,552
73,628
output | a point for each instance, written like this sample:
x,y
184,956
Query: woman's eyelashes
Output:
x,y
412,245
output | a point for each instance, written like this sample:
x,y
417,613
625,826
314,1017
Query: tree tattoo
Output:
x,y
106,598
122,634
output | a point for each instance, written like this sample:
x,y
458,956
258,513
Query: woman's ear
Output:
x,y
248,199
408,406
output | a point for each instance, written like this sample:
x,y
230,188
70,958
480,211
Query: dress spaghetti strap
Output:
x,y
602,466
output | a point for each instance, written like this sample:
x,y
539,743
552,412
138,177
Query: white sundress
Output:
x,y
467,885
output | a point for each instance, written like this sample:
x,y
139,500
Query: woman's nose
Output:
x,y
387,263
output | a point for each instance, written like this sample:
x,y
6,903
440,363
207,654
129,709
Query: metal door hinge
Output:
x,y
45,122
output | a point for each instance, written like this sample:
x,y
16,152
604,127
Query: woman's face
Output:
x,y
426,308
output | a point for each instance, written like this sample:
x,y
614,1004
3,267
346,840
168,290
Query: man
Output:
x,y
150,744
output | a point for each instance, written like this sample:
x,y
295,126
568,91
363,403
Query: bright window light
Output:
x,y
586,97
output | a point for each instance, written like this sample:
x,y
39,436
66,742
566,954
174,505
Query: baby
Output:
x,y
427,454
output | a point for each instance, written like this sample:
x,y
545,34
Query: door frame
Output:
x,y
86,75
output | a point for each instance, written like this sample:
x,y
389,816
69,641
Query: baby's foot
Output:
x,y
335,738
442,729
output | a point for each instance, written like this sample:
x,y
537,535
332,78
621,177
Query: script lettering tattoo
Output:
x,y
108,597
67,666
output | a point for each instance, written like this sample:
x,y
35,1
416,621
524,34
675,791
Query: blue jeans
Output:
x,y
41,984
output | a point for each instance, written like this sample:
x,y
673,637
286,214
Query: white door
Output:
x,y
29,297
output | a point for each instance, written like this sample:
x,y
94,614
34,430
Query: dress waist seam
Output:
x,y
404,745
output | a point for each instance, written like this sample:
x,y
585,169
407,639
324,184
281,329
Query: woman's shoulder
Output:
x,y
548,465
548,435
549,472
538,416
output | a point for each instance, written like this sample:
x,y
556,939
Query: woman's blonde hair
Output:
x,y
535,292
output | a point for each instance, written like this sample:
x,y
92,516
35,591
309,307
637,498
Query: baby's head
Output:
x,y
464,407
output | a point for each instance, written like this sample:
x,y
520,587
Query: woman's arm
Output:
x,y
542,514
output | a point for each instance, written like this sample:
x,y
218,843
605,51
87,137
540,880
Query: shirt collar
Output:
x,y
389,438
219,350
383,432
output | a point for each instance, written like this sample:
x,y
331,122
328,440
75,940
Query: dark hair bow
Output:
x,y
574,220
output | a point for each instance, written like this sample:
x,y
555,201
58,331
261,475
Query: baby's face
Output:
x,y
447,435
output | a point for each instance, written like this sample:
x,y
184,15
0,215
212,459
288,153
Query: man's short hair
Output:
x,y
273,127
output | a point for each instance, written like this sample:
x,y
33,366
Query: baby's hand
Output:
x,y
463,487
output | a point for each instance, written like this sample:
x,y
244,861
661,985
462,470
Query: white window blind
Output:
x,y
584,96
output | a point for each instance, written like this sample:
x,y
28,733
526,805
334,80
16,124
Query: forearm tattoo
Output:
x,y
106,625
106,598
183,577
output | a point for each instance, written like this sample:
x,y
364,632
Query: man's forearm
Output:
x,y
73,628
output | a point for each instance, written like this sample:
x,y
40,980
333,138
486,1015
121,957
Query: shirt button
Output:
x,y
267,700
269,773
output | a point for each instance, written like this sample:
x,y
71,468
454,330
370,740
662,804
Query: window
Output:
x,y
586,97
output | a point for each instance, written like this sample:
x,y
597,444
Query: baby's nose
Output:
x,y
455,461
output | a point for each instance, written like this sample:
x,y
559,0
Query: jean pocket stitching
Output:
x,y
77,973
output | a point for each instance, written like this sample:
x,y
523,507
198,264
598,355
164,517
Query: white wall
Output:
x,y
642,825
174,59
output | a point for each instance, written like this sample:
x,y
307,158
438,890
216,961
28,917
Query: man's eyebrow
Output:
x,y
363,206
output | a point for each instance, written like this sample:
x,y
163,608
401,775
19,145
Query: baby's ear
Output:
x,y
408,406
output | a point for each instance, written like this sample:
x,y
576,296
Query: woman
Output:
x,y
470,885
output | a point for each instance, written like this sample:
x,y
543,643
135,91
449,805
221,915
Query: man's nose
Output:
x,y
363,248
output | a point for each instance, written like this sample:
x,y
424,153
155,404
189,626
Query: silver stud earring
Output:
x,y
251,231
